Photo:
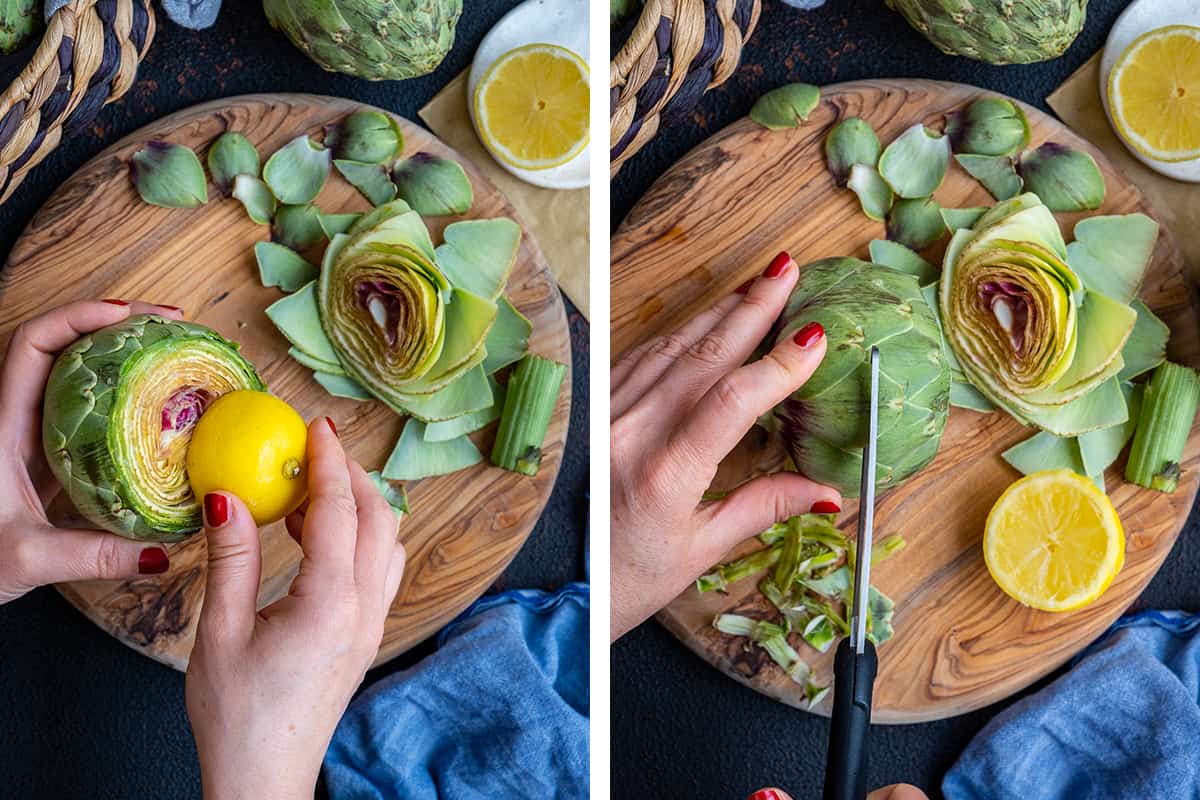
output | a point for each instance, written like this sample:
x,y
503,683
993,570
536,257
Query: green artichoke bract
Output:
x,y
389,40
997,31
120,408
823,423
1030,327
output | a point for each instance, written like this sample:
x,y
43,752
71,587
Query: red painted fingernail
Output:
x,y
152,561
808,334
115,302
171,308
825,507
767,794
745,287
777,265
216,510
332,427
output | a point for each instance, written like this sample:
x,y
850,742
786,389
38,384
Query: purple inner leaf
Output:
x,y
183,409
385,304
1009,303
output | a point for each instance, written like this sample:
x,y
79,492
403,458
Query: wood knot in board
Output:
x,y
145,610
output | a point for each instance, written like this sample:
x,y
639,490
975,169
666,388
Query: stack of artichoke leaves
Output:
x,y
1051,333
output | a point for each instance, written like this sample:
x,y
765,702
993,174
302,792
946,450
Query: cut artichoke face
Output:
x,y
121,405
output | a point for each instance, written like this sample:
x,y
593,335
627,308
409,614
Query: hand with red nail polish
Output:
x,y
680,404
899,791
33,552
265,689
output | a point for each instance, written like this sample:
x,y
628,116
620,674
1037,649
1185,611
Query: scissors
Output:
x,y
855,664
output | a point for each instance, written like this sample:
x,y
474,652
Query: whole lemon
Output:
x,y
253,445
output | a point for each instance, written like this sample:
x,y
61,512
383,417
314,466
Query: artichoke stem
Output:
x,y
528,406
1168,409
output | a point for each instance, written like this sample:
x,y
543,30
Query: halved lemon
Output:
x,y
1154,94
531,107
1053,541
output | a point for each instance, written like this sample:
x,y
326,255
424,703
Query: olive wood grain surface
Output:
x,y
714,220
95,238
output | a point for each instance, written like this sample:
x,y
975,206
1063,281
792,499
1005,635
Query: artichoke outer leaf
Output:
x,y
896,256
915,163
395,495
1045,451
956,218
468,394
1102,407
255,197
315,364
297,171
366,136
297,318
414,458
1146,346
432,185
469,318
168,175
997,174
874,195
470,422
342,386
333,224
382,236
988,126
392,208
786,106
1103,327
283,267
1111,254
851,141
1100,448
372,180
1064,178
297,227
916,223
964,395
229,156
479,254
508,340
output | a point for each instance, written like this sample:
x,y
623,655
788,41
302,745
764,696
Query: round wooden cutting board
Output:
x,y
95,238
714,220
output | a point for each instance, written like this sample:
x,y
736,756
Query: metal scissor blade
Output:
x,y
866,516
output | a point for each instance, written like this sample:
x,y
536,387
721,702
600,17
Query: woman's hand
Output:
x,y
680,403
32,551
897,791
265,690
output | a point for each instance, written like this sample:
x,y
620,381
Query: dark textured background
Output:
x,y
680,728
82,716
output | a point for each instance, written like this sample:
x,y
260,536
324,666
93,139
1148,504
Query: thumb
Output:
x,y
234,568
56,555
758,504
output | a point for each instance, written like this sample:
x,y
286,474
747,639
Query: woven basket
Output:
x,y
88,58
678,50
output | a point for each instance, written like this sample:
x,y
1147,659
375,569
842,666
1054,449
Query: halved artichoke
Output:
x,y
120,407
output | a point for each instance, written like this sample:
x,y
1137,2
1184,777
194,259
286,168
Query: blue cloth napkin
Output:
x,y
1122,724
194,14
499,711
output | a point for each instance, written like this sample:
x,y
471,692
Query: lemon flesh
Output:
x,y
1154,94
1053,541
253,445
531,107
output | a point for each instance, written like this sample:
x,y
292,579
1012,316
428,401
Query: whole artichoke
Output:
x,y
380,40
997,31
824,422
119,411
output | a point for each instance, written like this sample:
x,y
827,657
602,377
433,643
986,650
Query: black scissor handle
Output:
x,y
853,685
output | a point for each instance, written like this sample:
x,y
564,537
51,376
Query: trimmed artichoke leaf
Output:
x,y
342,386
997,174
785,107
964,395
1045,451
394,494
508,340
881,611
851,141
283,267
467,394
1064,178
255,197
469,318
373,181
1110,254
168,175
819,633
1100,448
988,126
874,195
1102,407
956,218
315,364
479,254
914,165
470,422
432,185
366,136
898,257
391,234
1023,220
392,208
414,458
916,223
1102,328
297,318
297,227
229,156
1146,346
333,224
297,171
